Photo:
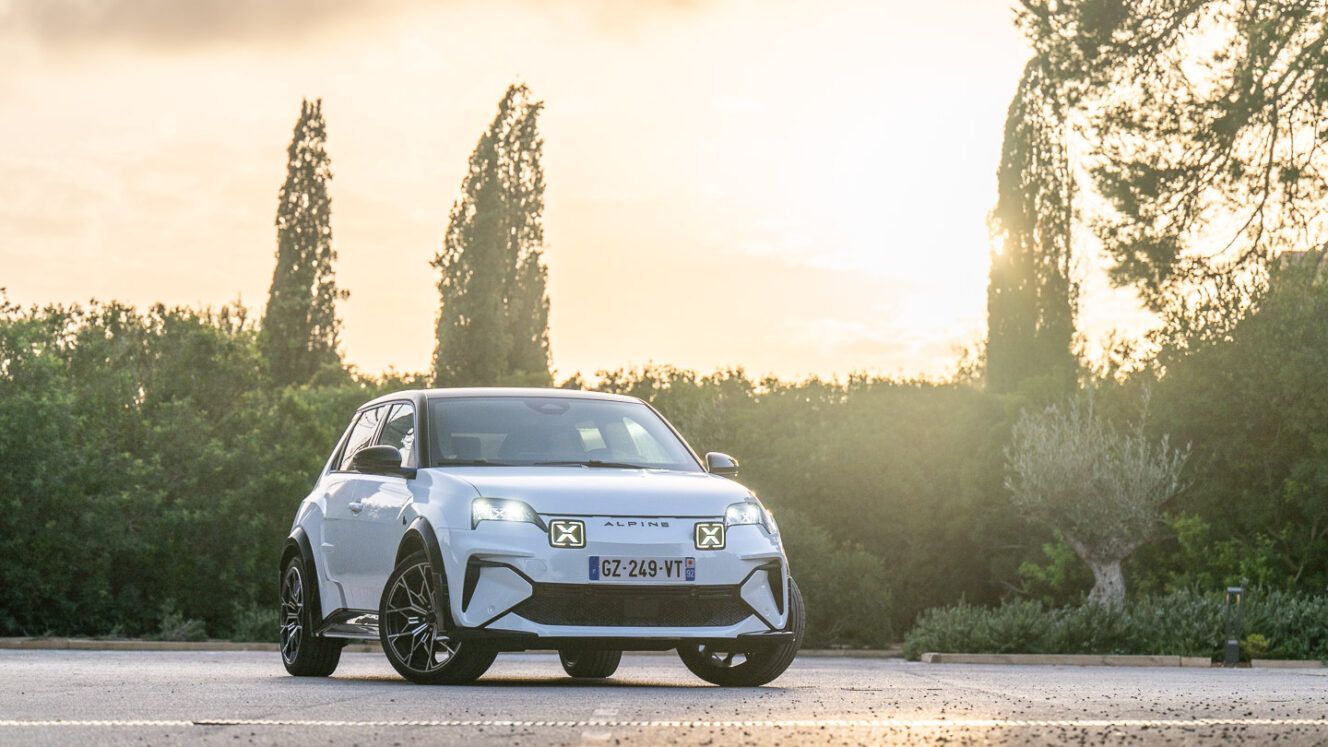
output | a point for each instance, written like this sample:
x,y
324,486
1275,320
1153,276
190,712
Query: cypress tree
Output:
x,y
1031,298
493,326
300,328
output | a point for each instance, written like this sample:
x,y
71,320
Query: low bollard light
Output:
x,y
1231,651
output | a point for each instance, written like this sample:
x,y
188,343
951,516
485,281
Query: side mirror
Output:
x,y
377,460
721,464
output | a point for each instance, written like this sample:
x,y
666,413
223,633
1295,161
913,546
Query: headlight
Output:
x,y
500,509
749,512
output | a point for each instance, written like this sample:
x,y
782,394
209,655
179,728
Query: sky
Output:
x,y
796,188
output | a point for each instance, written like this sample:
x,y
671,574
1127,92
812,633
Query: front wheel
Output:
x,y
730,668
303,653
590,664
412,635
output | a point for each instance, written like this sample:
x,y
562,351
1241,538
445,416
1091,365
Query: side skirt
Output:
x,y
355,624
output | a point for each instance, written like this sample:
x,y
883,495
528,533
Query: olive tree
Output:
x,y
1102,487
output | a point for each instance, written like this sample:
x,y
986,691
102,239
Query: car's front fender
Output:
x,y
298,545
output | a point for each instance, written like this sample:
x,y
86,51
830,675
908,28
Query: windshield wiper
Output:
x,y
591,463
470,463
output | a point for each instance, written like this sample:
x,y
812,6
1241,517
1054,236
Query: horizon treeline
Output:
x,y
152,460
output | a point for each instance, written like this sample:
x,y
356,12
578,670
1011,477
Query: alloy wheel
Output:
x,y
292,613
410,625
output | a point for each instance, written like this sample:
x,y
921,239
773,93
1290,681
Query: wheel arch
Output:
x,y
421,536
298,545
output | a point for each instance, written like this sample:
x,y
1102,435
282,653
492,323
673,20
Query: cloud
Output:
x,y
172,23
180,24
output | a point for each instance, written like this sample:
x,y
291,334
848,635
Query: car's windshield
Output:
x,y
553,430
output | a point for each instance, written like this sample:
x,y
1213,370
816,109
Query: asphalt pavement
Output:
x,y
123,697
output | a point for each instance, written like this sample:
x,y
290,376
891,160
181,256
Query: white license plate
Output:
x,y
642,570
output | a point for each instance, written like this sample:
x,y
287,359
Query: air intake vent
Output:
x,y
634,606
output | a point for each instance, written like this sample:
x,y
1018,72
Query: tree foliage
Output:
x,y
1255,406
1031,297
908,471
494,320
1101,488
1205,119
159,442
148,466
300,326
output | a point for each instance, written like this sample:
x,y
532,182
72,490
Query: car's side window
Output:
x,y
360,434
399,431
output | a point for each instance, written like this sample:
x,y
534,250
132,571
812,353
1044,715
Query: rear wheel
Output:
x,y
590,664
737,668
412,635
303,653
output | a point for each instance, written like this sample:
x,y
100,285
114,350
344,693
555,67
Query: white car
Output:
x,y
454,524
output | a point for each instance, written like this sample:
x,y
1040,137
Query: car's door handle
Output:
x,y
355,507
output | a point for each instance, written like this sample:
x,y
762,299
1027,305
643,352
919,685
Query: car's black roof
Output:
x,y
418,396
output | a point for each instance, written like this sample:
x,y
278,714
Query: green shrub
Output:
x,y
174,626
950,629
1058,576
1276,625
256,623
1294,626
1087,629
1022,625
843,586
1255,646
1186,622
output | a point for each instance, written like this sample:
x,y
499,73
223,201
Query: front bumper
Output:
x,y
507,583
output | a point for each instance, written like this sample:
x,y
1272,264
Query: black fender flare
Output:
x,y
427,537
421,531
298,545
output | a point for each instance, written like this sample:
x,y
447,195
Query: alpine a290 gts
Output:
x,y
455,524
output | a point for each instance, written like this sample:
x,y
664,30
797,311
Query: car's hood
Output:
x,y
605,491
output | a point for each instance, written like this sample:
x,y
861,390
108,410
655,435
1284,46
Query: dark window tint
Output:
x,y
399,431
360,433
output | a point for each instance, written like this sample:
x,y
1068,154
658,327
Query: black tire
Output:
x,y
408,629
590,664
720,667
303,653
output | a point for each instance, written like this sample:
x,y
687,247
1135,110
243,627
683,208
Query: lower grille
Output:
x,y
634,606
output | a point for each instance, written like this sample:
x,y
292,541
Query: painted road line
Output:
x,y
773,723
605,710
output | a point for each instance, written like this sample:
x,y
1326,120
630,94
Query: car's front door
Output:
x,y
340,547
377,528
